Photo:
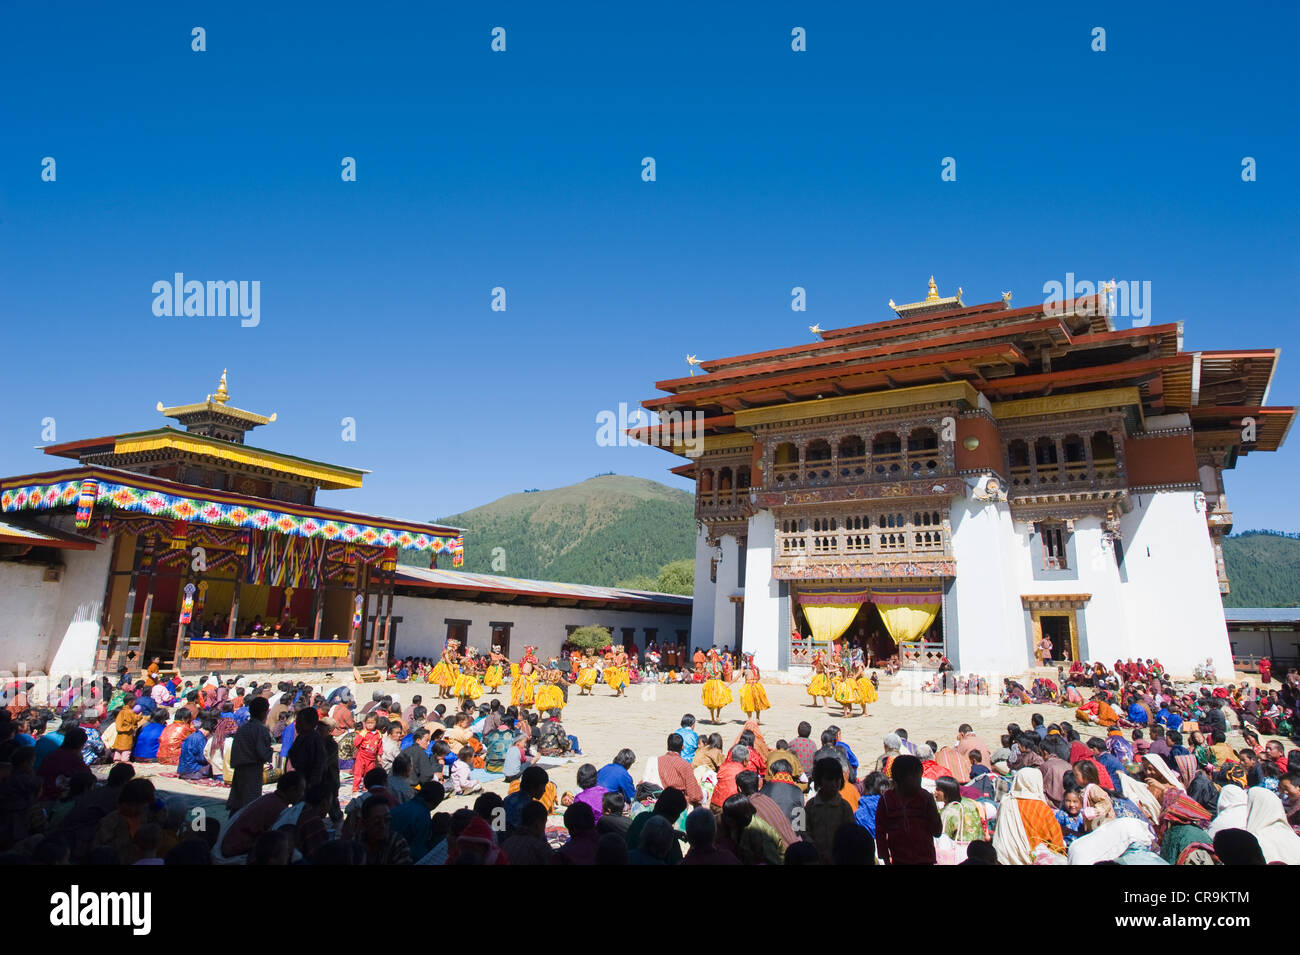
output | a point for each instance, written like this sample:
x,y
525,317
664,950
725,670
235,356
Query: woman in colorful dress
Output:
x,y
495,675
820,684
369,743
550,694
444,674
846,691
753,697
586,671
715,693
616,673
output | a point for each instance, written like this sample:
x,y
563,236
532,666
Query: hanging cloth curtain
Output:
x,y
907,611
830,610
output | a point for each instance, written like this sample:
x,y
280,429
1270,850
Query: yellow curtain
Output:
x,y
829,621
266,649
907,623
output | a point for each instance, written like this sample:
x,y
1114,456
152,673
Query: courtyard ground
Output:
x,y
643,719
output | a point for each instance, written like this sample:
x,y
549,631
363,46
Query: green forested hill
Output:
x,y
601,531
1263,569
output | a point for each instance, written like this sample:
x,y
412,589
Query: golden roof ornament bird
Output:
x,y
815,329
692,361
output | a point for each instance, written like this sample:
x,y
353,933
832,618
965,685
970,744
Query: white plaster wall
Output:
x,y
423,630
1104,635
724,611
52,627
702,608
990,619
763,631
1171,597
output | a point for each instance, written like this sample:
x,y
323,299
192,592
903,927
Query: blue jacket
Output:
x,y
617,779
191,760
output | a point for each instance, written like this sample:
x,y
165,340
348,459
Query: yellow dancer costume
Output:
x,y
521,692
715,693
820,685
442,674
549,697
753,698
846,692
467,687
493,679
587,677
867,690
615,677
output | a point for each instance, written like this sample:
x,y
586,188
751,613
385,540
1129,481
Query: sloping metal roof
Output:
x,y
518,586
1262,614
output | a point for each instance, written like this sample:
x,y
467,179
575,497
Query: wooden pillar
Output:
x,y
129,613
317,609
391,582
151,565
241,571
104,646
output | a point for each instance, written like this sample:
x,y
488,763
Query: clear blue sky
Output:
x,y
522,170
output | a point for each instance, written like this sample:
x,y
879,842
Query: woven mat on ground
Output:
x,y
210,783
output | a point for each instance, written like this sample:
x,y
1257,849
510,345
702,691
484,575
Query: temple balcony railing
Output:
x,y
1064,477
718,505
860,469
830,537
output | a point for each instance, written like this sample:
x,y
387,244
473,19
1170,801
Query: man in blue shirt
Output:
x,y
192,764
690,738
615,776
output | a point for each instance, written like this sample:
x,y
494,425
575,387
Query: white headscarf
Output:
x,y
1109,841
1266,821
1231,810
1162,770
1010,838
1137,793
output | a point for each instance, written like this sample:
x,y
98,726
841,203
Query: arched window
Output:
x,y
785,469
887,455
923,452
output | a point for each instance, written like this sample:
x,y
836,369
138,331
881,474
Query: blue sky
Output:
x,y
522,170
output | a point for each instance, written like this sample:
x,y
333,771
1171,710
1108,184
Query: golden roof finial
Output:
x,y
222,396
933,294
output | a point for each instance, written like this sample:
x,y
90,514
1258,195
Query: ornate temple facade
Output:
x,y
195,547
965,480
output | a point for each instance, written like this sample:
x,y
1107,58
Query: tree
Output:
x,y
590,638
678,577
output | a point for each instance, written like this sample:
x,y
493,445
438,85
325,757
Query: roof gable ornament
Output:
x,y
932,302
215,416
